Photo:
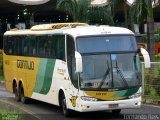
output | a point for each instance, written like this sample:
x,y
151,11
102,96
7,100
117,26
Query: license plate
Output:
x,y
113,105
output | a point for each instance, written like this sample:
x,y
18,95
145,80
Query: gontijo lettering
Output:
x,y
24,64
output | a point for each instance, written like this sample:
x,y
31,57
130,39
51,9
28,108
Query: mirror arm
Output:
x,y
139,50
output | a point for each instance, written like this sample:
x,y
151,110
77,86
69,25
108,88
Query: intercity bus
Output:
x,y
76,66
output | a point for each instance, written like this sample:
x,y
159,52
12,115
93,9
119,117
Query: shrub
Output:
x,y
153,91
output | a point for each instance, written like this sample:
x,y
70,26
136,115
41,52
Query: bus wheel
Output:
x,y
16,92
66,111
116,112
21,92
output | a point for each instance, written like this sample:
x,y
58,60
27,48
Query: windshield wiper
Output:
x,y
105,76
121,74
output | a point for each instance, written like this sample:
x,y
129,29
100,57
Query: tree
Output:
x,y
142,10
83,11
114,4
100,15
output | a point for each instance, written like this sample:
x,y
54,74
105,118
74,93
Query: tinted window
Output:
x,y
59,46
29,46
12,45
51,46
45,46
106,44
8,45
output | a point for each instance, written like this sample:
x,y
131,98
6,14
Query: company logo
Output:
x,y
73,100
61,71
24,64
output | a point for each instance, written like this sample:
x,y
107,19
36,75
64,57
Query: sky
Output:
x,y
104,2
130,1
94,2
41,1
29,2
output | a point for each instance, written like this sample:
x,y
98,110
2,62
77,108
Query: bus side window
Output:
x,y
50,48
12,45
41,46
26,46
32,46
9,45
19,47
60,47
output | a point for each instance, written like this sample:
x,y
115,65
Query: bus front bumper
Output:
x,y
87,106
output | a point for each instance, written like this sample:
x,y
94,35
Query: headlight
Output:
x,y
136,95
85,98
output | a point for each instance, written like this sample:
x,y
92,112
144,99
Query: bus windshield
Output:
x,y
109,67
106,43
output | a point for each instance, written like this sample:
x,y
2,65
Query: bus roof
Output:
x,y
73,29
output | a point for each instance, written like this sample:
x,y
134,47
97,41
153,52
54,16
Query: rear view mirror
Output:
x,y
145,54
78,58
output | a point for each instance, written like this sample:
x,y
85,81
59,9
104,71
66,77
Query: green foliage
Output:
x,y
144,37
139,11
157,35
152,81
157,58
152,97
83,11
114,4
78,9
158,31
100,15
153,91
142,11
6,114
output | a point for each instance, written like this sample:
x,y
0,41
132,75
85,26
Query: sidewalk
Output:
x,y
151,101
2,82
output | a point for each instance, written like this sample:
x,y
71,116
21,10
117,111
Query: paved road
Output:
x,y
3,92
42,111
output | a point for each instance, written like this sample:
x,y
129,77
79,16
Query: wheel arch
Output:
x,y
60,93
21,82
14,83
23,85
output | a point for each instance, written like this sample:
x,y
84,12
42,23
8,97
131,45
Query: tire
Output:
x,y
23,99
16,93
116,112
65,110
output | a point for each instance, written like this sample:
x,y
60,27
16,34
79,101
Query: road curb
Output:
x,y
151,101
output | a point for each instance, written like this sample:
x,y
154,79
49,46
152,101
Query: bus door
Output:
x,y
73,84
